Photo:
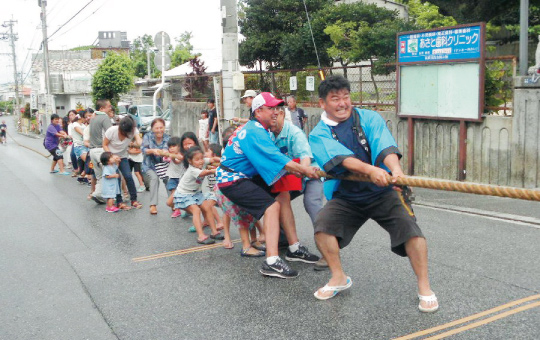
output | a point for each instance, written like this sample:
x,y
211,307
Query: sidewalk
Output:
x,y
500,207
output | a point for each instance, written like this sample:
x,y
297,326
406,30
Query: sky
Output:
x,y
201,17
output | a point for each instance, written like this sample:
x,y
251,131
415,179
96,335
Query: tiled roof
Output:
x,y
68,65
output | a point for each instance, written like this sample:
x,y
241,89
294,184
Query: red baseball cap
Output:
x,y
265,99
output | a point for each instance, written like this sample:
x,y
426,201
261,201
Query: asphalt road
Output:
x,y
72,271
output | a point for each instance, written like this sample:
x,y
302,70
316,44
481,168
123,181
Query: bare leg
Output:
x,y
271,229
208,214
416,249
53,165
139,178
329,248
196,212
286,217
227,243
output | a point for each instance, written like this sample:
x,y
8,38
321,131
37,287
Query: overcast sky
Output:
x,y
201,17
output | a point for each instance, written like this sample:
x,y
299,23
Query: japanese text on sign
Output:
x,y
449,44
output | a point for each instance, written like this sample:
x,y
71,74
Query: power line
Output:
x,y
59,28
80,22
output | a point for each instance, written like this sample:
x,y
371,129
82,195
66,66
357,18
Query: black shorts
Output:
x,y
134,166
250,196
342,219
3,134
57,155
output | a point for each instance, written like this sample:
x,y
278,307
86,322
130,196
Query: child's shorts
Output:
x,y
182,201
210,195
172,183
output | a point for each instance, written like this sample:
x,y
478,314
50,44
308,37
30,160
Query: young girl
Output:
x,y
176,168
111,180
189,196
213,151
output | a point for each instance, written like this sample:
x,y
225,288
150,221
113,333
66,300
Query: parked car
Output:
x,y
166,115
144,114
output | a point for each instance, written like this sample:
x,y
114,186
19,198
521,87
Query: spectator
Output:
x,y
295,114
54,132
154,147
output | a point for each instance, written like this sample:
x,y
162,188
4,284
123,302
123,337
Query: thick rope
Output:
x,y
471,188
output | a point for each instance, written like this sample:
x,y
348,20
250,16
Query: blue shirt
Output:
x,y
292,142
149,142
51,140
249,152
330,153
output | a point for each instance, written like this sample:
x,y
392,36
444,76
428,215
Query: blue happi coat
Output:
x,y
330,153
250,151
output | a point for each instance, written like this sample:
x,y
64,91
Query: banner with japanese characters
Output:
x,y
440,45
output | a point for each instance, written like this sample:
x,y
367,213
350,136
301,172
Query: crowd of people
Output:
x,y
261,166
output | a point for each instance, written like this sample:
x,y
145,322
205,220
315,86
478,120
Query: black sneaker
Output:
x,y
302,255
279,269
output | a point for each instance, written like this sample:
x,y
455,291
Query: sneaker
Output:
x,y
279,269
302,255
320,265
112,209
141,188
192,229
176,213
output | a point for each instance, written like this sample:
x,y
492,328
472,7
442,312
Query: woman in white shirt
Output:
x,y
117,140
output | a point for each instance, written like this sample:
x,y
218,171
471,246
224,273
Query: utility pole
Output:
x,y
43,5
523,37
229,52
13,37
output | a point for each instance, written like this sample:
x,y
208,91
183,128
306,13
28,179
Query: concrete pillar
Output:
x,y
525,168
230,65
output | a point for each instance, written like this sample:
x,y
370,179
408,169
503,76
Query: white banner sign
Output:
x,y
310,83
293,84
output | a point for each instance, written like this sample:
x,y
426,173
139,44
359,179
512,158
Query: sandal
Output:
x,y
429,299
217,236
258,245
244,253
136,205
334,289
205,241
123,206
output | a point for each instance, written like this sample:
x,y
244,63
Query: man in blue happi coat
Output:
x,y
250,164
349,140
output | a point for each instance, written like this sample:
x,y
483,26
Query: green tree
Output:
x,y
182,51
138,55
426,15
274,27
341,35
113,77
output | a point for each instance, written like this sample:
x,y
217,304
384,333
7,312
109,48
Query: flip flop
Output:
x,y
334,289
207,240
428,298
53,172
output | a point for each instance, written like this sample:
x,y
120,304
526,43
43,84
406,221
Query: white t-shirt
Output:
x,y
190,182
136,157
77,137
203,128
118,147
86,133
176,170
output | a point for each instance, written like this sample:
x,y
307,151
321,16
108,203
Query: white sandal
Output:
x,y
428,299
335,289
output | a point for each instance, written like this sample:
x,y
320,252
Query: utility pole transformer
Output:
x,y
13,37
229,52
45,44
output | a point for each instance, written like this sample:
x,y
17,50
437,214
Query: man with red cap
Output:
x,y
250,164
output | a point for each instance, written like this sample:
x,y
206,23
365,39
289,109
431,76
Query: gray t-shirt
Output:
x,y
98,125
116,145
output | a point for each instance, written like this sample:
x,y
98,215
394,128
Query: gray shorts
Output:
x,y
342,219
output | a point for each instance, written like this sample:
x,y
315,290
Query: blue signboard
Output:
x,y
443,45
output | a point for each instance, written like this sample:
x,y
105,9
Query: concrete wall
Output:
x,y
185,117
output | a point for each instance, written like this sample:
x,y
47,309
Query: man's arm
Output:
x,y
377,175
214,126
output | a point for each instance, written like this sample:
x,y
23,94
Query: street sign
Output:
x,y
162,41
158,61
310,83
